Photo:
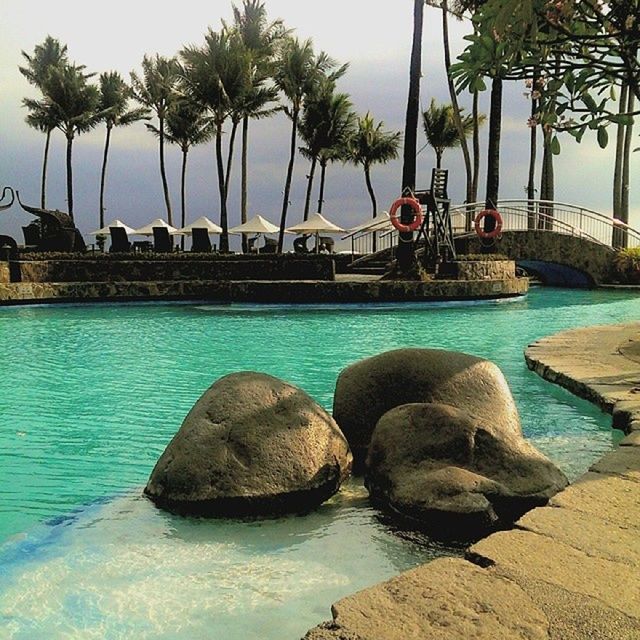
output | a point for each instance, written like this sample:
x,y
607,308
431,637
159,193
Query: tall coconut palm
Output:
x,y
260,37
156,90
187,124
77,106
405,243
441,130
114,102
326,125
218,75
45,56
370,144
297,72
339,126
43,117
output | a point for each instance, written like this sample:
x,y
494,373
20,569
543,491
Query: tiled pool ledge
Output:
x,y
568,571
264,291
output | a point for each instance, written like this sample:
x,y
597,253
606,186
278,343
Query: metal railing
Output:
x,y
556,217
518,215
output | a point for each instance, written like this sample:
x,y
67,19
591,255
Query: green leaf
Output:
x,y
603,137
555,146
621,118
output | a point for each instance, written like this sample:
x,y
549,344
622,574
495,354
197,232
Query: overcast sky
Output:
x,y
373,37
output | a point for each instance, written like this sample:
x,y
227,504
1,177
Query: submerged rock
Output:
x,y
366,390
251,445
443,469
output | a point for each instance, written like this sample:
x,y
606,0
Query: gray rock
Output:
x,y
368,389
251,445
442,469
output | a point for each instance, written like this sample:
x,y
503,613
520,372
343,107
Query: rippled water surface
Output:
x,y
91,395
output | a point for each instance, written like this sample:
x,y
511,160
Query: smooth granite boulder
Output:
x,y
368,389
442,469
251,445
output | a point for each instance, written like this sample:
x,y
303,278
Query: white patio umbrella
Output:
x,y
114,223
201,223
317,224
257,224
147,230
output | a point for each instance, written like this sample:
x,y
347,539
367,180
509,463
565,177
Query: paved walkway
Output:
x,y
568,571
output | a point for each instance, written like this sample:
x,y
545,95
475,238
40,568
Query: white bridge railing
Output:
x,y
555,217
517,215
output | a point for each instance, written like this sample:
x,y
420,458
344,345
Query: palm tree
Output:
x,y
338,128
114,102
186,125
156,90
371,144
42,117
405,245
260,37
326,125
45,56
218,76
297,72
77,107
441,130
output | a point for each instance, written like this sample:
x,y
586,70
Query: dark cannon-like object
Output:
x,y
53,231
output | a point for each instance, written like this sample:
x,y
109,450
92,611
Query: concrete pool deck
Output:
x,y
567,571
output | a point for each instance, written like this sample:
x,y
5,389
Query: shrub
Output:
x,y
626,265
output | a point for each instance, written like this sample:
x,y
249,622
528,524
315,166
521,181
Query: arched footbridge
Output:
x,y
562,244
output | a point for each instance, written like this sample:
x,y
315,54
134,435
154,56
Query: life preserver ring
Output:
x,y
417,211
481,216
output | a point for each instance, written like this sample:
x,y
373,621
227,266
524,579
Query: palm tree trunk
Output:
x,y
243,179
287,184
45,161
493,160
617,172
533,140
374,204
183,190
546,181
163,173
307,198
232,142
224,236
69,175
624,191
456,107
475,110
323,170
438,159
406,255
103,175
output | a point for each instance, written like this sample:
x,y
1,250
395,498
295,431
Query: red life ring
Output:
x,y
481,216
417,211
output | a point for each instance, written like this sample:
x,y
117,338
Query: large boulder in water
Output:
x,y
442,469
366,390
251,445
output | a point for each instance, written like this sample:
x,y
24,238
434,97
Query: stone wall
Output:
x,y
106,269
485,269
294,292
4,271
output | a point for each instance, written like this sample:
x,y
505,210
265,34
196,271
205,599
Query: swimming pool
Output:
x,y
90,396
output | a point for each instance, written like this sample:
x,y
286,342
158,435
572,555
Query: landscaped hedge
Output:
x,y
626,266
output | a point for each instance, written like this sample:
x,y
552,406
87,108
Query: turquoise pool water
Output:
x,y
91,395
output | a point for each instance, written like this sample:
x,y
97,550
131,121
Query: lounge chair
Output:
x,y
325,245
270,246
119,240
200,241
300,244
32,236
162,240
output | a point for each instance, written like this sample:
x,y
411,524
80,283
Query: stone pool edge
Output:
x,y
567,571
